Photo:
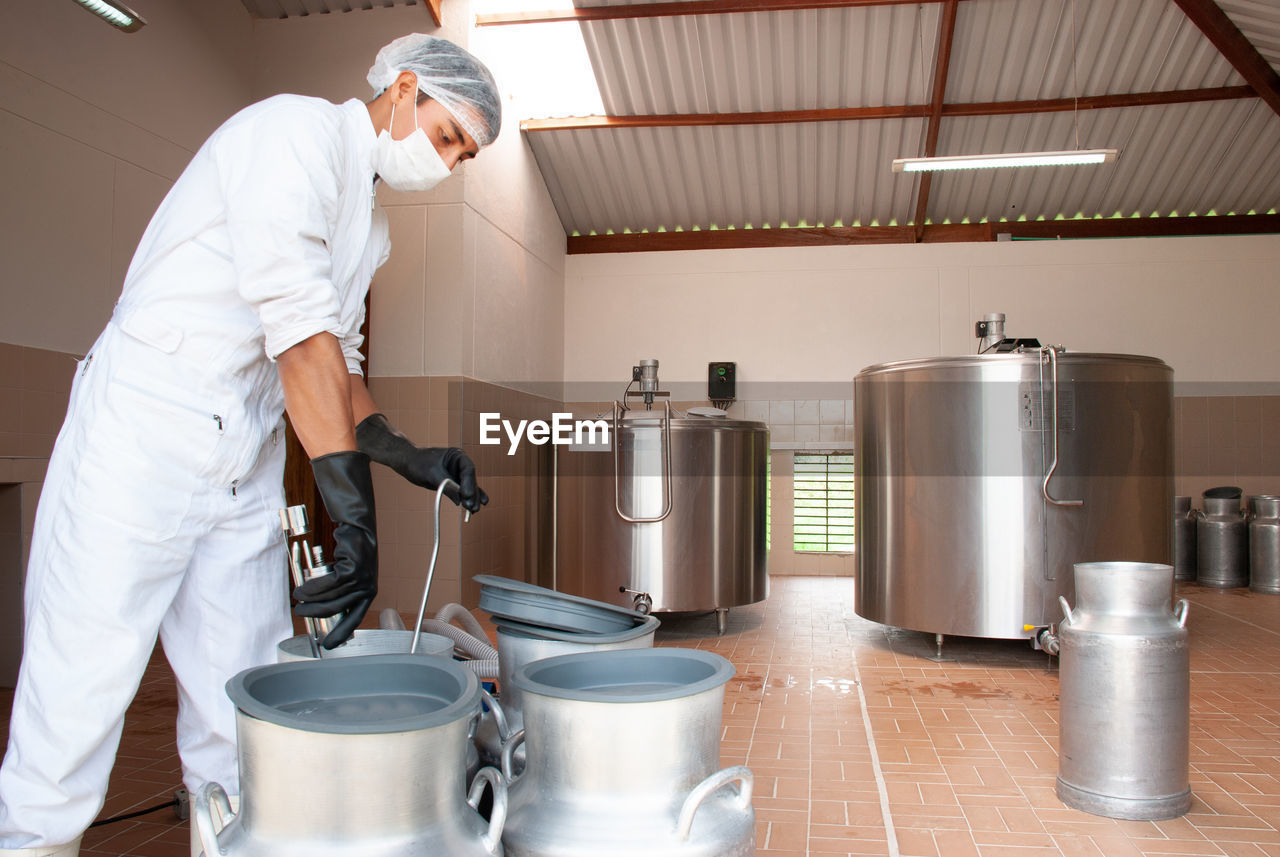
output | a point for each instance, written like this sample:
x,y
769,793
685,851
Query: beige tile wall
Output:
x,y
10,583
1226,440
34,386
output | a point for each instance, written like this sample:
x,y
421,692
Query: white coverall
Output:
x,y
159,512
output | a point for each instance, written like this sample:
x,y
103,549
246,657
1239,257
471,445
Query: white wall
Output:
x,y
95,125
1207,306
475,282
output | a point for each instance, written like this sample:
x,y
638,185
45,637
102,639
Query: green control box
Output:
x,y
722,382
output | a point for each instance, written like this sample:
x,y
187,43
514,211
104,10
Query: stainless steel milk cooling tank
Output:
x,y
667,516
974,502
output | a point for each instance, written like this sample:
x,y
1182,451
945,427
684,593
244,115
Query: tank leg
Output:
x,y
722,619
937,639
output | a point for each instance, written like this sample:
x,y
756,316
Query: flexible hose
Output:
x,y
486,669
471,646
472,642
462,616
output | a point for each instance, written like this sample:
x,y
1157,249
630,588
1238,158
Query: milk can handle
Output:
x,y
212,793
1066,610
509,755
492,839
499,716
1180,610
704,789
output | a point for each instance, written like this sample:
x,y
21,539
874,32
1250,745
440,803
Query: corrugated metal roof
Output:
x,y
821,173
765,61
1186,158
1214,157
1259,20
1005,50
1011,50
271,9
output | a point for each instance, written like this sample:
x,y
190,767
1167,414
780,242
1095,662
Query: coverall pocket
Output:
x,y
149,452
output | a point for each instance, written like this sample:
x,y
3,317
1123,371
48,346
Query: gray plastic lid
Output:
x,y
539,632
626,676
537,605
358,696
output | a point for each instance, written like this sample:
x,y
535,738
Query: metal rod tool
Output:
x,y
431,567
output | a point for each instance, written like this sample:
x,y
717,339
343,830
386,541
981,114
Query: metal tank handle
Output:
x,y
499,716
711,784
1068,616
666,455
1052,351
508,760
211,794
1180,610
492,839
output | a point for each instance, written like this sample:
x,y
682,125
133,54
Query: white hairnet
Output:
x,y
450,75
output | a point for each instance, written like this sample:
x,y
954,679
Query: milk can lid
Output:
x,y
628,675
375,694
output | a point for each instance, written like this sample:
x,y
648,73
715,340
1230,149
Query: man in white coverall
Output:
x,y
160,510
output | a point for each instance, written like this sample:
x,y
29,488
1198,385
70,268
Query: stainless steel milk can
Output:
x,y
354,756
518,646
1222,552
1184,539
1264,545
1125,720
623,753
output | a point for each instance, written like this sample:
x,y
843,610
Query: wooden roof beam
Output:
x,y
677,9
934,233
1239,51
847,114
433,6
941,67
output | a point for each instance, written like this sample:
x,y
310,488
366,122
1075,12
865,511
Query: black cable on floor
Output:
x,y
173,804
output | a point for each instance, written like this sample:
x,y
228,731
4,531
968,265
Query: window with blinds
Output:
x,y
823,502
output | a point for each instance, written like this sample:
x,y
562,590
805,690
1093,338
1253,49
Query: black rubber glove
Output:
x,y
424,466
346,487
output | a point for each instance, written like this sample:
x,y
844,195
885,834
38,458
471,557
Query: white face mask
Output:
x,y
409,164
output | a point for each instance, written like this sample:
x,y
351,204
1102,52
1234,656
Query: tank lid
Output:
x,y
689,421
627,675
357,696
1064,358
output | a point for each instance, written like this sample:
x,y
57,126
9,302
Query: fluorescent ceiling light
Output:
x,y
115,13
1008,159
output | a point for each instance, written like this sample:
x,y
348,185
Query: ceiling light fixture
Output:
x,y
1072,157
115,13
1006,159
